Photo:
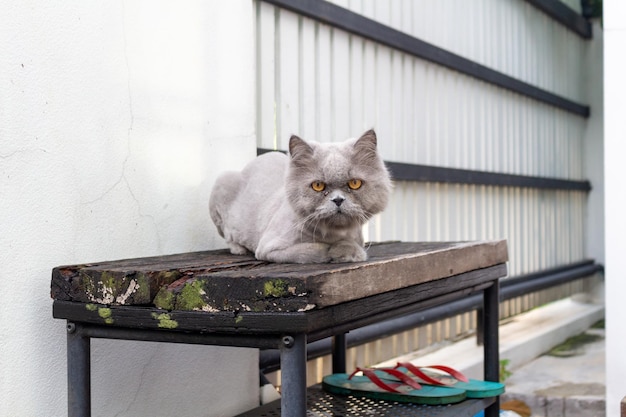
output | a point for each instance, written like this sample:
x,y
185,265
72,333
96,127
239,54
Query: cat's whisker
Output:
x,y
302,225
315,227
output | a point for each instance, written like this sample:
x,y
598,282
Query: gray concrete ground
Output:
x,y
565,383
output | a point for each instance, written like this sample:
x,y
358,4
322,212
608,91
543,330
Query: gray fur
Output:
x,y
271,209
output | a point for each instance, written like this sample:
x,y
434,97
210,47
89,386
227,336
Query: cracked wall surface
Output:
x,y
115,119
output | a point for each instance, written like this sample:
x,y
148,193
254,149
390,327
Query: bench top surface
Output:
x,y
215,281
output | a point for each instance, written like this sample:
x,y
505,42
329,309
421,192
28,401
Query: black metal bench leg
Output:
x,y
293,376
491,340
78,372
340,345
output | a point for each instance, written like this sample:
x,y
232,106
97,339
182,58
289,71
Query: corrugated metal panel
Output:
x,y
324,84
507,35
543,228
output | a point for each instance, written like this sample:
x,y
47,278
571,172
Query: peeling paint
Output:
x,y
100,293
132,288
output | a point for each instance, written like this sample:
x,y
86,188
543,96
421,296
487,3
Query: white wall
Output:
x,y
615,200
115,118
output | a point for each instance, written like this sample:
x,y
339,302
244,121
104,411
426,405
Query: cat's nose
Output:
x,y
338,200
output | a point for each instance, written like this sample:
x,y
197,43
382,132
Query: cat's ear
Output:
x,y
366,144
299,149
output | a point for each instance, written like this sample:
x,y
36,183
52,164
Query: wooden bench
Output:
x,y
216,298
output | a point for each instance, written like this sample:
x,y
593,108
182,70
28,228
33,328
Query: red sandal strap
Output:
x,y
456,374
401,376
417,372
371,375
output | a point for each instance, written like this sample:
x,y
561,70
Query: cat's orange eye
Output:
x,y
355,184
318,186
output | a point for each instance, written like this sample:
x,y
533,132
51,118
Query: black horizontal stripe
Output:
x,y
354,23
428,173
509,288
561,13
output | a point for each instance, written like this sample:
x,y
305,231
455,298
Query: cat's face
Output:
x,y
337,185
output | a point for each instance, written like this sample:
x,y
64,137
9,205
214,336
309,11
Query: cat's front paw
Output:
x,y
300,253
345,251
237,249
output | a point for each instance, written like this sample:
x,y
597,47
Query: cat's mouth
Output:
x,y
341,212
340,218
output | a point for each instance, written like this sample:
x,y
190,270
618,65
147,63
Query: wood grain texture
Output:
x,y
317,323
217,281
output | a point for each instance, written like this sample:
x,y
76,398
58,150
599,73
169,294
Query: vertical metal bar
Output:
x,y
78,372
293,376
491,303
480,326
340,345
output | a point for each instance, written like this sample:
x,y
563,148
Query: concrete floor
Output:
x,y
569,386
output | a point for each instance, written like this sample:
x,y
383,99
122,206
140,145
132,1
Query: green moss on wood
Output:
x,y
151,283
167,277
106,314
165,321
142,293
165,299
190,297
275,288
108,281
87,284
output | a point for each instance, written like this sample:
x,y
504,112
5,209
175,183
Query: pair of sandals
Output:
x,y
409,383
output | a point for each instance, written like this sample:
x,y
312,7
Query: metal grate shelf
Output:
x,y
323,404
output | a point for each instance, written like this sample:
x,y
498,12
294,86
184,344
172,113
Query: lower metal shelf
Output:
x,y
322,404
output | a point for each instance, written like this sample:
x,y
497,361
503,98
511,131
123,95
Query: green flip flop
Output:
x,y
402,389
452,378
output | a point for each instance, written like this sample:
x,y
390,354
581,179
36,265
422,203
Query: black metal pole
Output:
x,y
480,326
78,372
340,345
293,376
491,340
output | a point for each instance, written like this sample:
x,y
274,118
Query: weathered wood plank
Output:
x,y
218,281
317,323
137,281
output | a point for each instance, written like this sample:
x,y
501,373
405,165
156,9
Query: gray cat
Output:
x,y
306,207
